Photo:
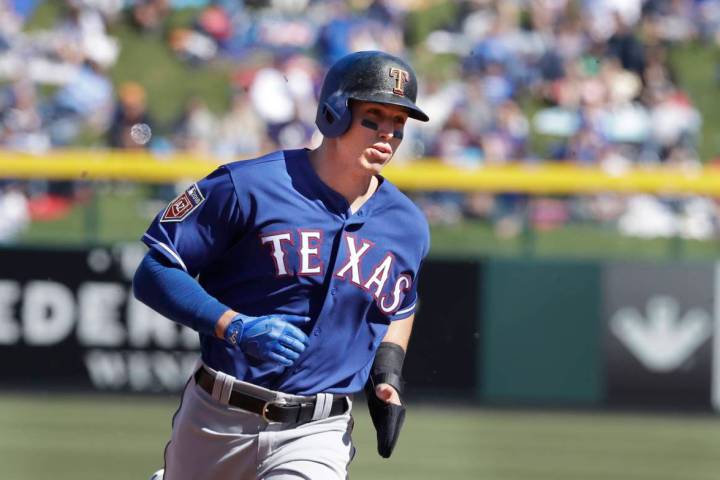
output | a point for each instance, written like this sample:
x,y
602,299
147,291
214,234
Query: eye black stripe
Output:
x,y
369,124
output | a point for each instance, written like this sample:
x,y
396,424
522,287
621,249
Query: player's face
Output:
x,y
374,135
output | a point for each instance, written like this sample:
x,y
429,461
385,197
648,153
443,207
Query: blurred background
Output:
x,y
570,318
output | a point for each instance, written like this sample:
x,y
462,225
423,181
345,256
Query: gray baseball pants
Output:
x,y
214,441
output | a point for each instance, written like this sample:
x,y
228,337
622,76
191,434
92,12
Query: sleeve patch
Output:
x,y
183,205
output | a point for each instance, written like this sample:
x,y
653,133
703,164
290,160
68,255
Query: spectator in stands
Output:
x,y
192,46
625,45
81,34
241,118
14,212
130,112
215,22
84,102
11,22
20,119
149,15
194,129
596,71
334,36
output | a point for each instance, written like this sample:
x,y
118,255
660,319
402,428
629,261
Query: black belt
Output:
x,y
271,411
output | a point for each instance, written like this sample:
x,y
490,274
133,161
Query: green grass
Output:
x,y
571,241
90,438
695,67
116,213
169,81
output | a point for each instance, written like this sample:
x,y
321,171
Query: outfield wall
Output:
x,y
428,174
600,334
495,331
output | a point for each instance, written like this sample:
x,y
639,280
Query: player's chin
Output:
x,y
374,161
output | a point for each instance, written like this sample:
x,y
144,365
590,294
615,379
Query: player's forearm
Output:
x,y
399,332
223,323
176,295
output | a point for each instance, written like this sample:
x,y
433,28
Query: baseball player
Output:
x,y
299,271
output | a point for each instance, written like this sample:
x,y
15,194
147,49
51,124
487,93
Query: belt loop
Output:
x,y
222,386
227,389
323,405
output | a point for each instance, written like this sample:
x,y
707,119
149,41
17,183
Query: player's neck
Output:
x,y
356,189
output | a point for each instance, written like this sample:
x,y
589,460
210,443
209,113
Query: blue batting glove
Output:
x,y
273,338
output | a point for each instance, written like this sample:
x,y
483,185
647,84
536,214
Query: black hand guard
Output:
x,y
387,418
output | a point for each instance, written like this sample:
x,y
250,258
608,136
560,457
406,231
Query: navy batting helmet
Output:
x,y
367,76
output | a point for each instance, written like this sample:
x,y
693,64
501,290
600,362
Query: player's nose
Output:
x,y
386,130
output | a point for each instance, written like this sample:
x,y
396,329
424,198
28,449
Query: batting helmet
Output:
x,y
367,76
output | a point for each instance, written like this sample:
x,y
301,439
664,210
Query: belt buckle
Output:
x,y
264,412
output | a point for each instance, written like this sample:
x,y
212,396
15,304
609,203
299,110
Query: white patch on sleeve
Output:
x,y
169,250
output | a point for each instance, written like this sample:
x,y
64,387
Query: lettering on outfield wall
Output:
x,y
139,371
99,319
9,296
99,314
48,313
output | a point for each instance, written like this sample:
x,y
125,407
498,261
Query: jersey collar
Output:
x,y
332,200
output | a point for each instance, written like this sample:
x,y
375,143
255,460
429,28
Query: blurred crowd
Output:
x,y
514,81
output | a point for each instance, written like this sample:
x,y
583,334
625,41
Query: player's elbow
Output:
x,y
147,278
141,283
156,282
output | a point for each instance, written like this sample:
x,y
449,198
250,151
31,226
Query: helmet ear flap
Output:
x,y
334,116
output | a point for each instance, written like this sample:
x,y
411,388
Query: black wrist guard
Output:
x,y
387,367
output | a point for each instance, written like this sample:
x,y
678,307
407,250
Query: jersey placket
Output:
x,y
330,285
331,292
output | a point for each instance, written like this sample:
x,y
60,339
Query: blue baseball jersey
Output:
x,y
268,236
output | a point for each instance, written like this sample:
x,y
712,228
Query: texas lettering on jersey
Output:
x,y
308,250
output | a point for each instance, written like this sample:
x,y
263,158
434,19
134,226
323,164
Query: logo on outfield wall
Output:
x,y
664,338
658,334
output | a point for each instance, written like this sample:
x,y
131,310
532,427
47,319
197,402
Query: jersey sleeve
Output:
x,y
408,306
199,225
409,302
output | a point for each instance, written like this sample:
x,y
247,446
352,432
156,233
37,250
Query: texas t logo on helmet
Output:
x,y
401,78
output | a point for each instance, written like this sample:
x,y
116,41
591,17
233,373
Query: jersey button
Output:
x,y
333,291
317,332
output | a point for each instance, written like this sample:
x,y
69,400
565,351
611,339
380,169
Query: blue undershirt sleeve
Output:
x,y
172,292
